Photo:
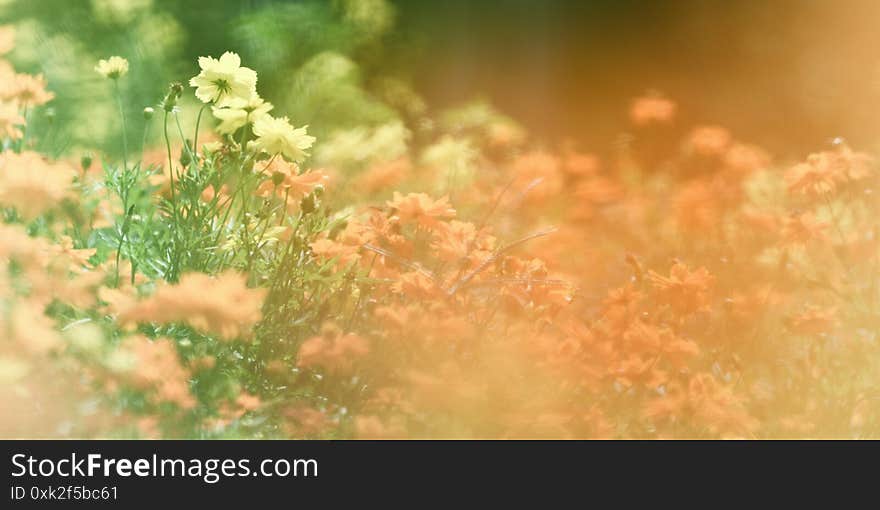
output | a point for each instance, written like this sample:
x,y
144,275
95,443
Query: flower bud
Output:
x,y
185,158
148,112
307,204
170,101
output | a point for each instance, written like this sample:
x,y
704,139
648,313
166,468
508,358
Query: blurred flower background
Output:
x,y
791,74
381,219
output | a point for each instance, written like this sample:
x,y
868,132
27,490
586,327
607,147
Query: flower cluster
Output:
x,y
232,90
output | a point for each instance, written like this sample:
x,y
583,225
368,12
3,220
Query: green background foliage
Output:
x,y
319,62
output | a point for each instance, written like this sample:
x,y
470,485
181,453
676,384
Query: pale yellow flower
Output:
x,y
7,39
277,136
113,68
240,112
224,79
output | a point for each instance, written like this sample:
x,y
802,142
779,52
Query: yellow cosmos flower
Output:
x,y
277,136
240,112
223,79
113,68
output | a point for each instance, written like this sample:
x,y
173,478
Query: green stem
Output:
x,y
122,115
198,122
173,265
170,163
191,151
24,128
122,235
144,138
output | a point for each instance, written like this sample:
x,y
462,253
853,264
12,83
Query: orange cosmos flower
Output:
x,y
332,350
685,290
661,340
455,240
26,328
303,184
703,403
580,164
799,229
31,184
345,254
652,109
811,178
696,206
744,159
415,285
286,180
156,367
79,257
709,140
211,192
26,90
822,171
421,209
717,407
221,305
383,176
